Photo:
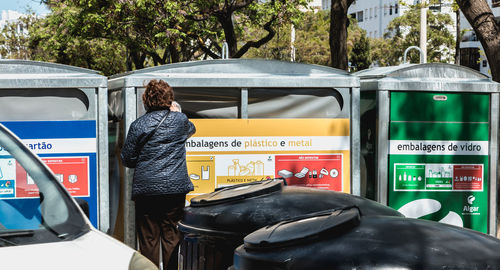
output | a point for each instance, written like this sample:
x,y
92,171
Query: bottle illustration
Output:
x,y
404,176
400,177
259,167
234,170
251,168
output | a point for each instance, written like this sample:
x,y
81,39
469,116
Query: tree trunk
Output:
x,y
227,25
482,20
338,33
174,53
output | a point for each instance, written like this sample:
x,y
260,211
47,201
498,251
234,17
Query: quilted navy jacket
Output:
x,y
160,166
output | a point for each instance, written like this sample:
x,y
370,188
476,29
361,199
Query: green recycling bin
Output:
x,y
429,142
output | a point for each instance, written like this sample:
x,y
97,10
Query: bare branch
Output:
x,y
258,43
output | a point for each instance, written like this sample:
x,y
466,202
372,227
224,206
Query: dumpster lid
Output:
x,y
238,192
309,227
18,74
247,73
439,77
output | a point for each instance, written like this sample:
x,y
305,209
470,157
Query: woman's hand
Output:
x,y
175,107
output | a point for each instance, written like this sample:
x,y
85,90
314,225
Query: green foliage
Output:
x,y
53,39
404,31
360,57
382,54
13,42
311,42
140,33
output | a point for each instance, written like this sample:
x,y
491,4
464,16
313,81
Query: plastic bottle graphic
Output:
x,y
234,170
259,167
400,177
404,176
251,168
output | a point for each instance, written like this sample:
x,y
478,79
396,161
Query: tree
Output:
x,y
359,55
338,33
487,29
51,43
233,17
14,38
160,32
382,54
404,31
311,42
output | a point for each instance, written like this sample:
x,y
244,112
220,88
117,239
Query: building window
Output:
x,y
436,6
385,10
366,14
353,15
390,10
371,13
375,12
360,16
375,34
396,8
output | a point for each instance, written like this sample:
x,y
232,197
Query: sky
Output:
x,y
21,6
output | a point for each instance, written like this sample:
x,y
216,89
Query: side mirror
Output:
x,y
84,205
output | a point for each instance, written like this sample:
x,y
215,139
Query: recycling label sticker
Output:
x,y
438,176
7,189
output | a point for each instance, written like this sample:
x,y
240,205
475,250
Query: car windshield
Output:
x,y
34,206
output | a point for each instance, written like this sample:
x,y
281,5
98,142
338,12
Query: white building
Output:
x,y
375,15
10,16
316,4
471,52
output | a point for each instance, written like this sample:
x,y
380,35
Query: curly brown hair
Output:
x,y
158,95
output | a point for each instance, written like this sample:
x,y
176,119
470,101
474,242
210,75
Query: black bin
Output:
x,y
216,223
344,239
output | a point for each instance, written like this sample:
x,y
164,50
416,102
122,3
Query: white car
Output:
x,y
49,230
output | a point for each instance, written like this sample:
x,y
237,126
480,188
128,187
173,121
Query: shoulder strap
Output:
x,y
146,139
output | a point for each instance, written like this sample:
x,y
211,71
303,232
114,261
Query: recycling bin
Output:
x,y
216,223
429,141
60,113
255,119
344,239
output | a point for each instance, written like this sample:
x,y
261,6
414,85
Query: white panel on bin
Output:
x,y
202,102
43,104
295,103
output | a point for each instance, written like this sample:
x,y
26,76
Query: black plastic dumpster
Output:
x,y
216,223
344,239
